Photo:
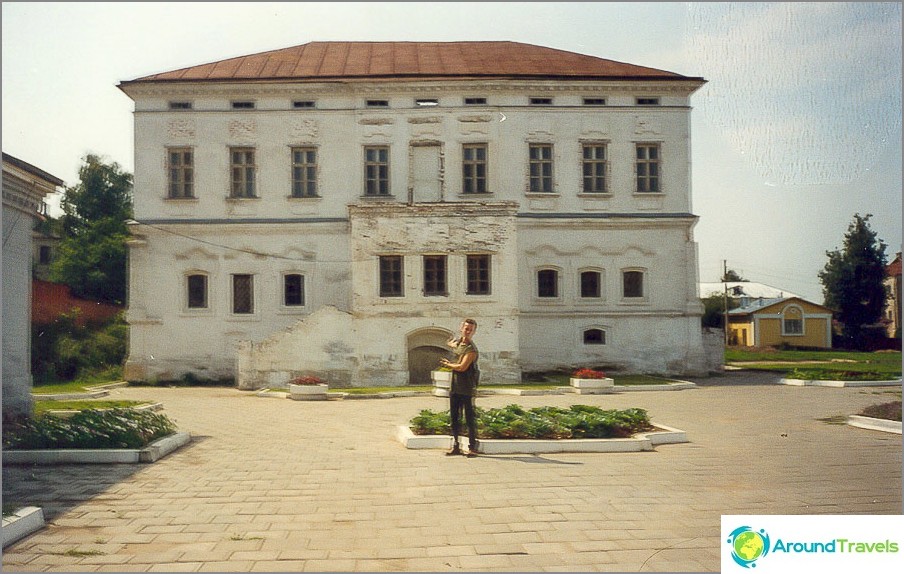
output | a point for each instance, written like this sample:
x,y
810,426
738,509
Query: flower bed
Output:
x,y
516,422
805,374
89,429
308,388
589,381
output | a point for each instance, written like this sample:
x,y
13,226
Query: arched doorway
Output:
x,y
425,348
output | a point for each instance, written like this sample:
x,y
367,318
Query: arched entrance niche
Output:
x,y
425,348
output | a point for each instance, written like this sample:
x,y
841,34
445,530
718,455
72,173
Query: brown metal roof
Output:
x,y
319,61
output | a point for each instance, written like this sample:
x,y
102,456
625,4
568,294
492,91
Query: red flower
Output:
x,y
588,374
307,380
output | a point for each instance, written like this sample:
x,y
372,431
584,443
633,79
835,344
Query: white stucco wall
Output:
x,y
335,240
24,188
16,310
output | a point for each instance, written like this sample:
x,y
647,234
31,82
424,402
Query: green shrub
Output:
x,y
833,375
114,428
64,350
516,422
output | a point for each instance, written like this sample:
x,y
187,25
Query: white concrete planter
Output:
x,y
442,382
308,392
24,522
592,386
642,442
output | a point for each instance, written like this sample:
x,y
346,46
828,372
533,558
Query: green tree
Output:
x,y
852,279
714,310
732,275
92,255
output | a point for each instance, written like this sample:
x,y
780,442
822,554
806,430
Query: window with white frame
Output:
x,y
391,278
435,275
595,168
591,285
478,271
792,321
293,290
647,167
474,168
540,165
548,283
180,166
196,291
376,170
243,294
633,284
304,172
243,171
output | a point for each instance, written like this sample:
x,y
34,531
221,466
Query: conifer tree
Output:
x,y
853,279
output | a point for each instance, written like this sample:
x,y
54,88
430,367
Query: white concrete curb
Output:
x,y
151,453
874,424
24,522
838,384
641,442
70,396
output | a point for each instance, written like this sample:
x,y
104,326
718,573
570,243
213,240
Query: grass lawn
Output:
x,y
42,407
883,364
61,388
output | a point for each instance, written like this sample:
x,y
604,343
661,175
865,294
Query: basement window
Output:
x,y
180,105
243,105
302,104
594,337
427,102
541,101
594,101
377,103
647,101
475,101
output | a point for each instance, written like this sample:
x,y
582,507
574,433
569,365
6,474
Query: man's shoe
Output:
x,y
454,452
471,453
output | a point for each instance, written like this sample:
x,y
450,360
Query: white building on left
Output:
x,y
24,189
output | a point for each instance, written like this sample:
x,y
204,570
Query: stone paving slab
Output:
x,y
268,486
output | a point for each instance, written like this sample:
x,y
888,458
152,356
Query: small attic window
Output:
x,y
301,104
427,102
541,101
180,105
647,101
377,103
242,105
475,101
594,101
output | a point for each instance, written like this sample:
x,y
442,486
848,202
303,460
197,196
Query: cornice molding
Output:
x,y
284,89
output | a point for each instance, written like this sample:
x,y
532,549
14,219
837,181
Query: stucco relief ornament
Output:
x,y
181,129
305,129
242,129
644,125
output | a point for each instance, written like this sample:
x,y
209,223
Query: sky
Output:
x,y
797,129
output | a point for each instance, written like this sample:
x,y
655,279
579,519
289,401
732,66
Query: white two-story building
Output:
x,y
337,208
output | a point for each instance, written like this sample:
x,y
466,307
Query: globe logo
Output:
x,y
748,546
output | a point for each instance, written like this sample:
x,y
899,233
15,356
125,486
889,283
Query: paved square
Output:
x,y
278,485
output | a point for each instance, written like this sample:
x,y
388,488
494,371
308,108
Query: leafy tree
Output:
x,y
714,310
92,254
852,279
732,275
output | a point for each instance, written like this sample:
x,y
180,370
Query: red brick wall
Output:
x,y
50,300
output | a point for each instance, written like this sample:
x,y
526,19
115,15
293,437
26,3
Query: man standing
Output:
x,y
465,377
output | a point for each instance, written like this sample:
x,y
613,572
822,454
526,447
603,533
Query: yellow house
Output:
x,y
787,320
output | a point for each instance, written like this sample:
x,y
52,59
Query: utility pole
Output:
x,y
725,300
